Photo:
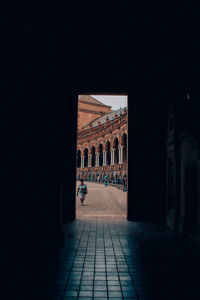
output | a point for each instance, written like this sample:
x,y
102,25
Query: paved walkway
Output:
x,y
106,257
102,201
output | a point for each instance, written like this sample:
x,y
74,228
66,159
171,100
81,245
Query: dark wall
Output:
x,y
48,66
146,158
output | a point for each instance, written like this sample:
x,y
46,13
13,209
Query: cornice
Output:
x,y
94,104
101,131
91,111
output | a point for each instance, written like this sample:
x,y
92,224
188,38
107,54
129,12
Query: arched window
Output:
x,y
93,157
124,143
85,157
116,151
100,149
78,159
108,154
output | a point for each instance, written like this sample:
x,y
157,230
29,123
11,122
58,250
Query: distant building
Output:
x,y
102,141
90,109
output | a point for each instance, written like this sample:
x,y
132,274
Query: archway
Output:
x,y
124,143
85,157
99,141
108,158
116,151
100,149
93,157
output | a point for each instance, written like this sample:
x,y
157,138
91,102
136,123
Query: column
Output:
x,y
89,160
112,157
104,158
82,161
119,149
97,160
122,150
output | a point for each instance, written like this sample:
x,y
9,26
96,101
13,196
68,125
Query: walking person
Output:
x,y
106,180
82,191
124,182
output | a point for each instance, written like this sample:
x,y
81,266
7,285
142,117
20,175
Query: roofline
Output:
x,y
96,104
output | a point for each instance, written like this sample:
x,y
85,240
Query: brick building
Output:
x,y
102,142
90,109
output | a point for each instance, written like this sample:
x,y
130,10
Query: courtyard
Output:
x,y
102,201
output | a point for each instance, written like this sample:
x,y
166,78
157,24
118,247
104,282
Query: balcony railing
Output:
x,y
117,167
100,130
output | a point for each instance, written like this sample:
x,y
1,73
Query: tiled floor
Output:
x,y
109,258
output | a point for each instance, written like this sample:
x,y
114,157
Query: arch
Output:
x,y
93,150
91,147
78,159
124,143
85,153
116,150
100,151
108,157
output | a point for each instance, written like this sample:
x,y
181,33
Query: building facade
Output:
x,y
90,109
102,145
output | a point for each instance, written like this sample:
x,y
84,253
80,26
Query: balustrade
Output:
x,y
92,134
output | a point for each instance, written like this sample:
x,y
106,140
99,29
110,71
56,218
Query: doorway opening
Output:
x,y
102,156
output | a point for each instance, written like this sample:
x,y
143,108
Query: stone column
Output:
x,y
122,150
104,158
112,157
97,160
89,160
82,161
119,149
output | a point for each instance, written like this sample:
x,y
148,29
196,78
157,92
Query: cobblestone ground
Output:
x,y
102,201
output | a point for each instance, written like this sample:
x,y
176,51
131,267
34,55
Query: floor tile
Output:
x,y
142,261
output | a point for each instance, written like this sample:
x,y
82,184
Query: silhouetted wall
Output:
x,y
51,67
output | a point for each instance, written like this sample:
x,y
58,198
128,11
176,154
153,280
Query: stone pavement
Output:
x,y
106,257
102,201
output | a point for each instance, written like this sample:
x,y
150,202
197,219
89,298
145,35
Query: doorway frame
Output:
x,y
76,94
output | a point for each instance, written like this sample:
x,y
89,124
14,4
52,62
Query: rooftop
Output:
x,y
102,119
90,99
